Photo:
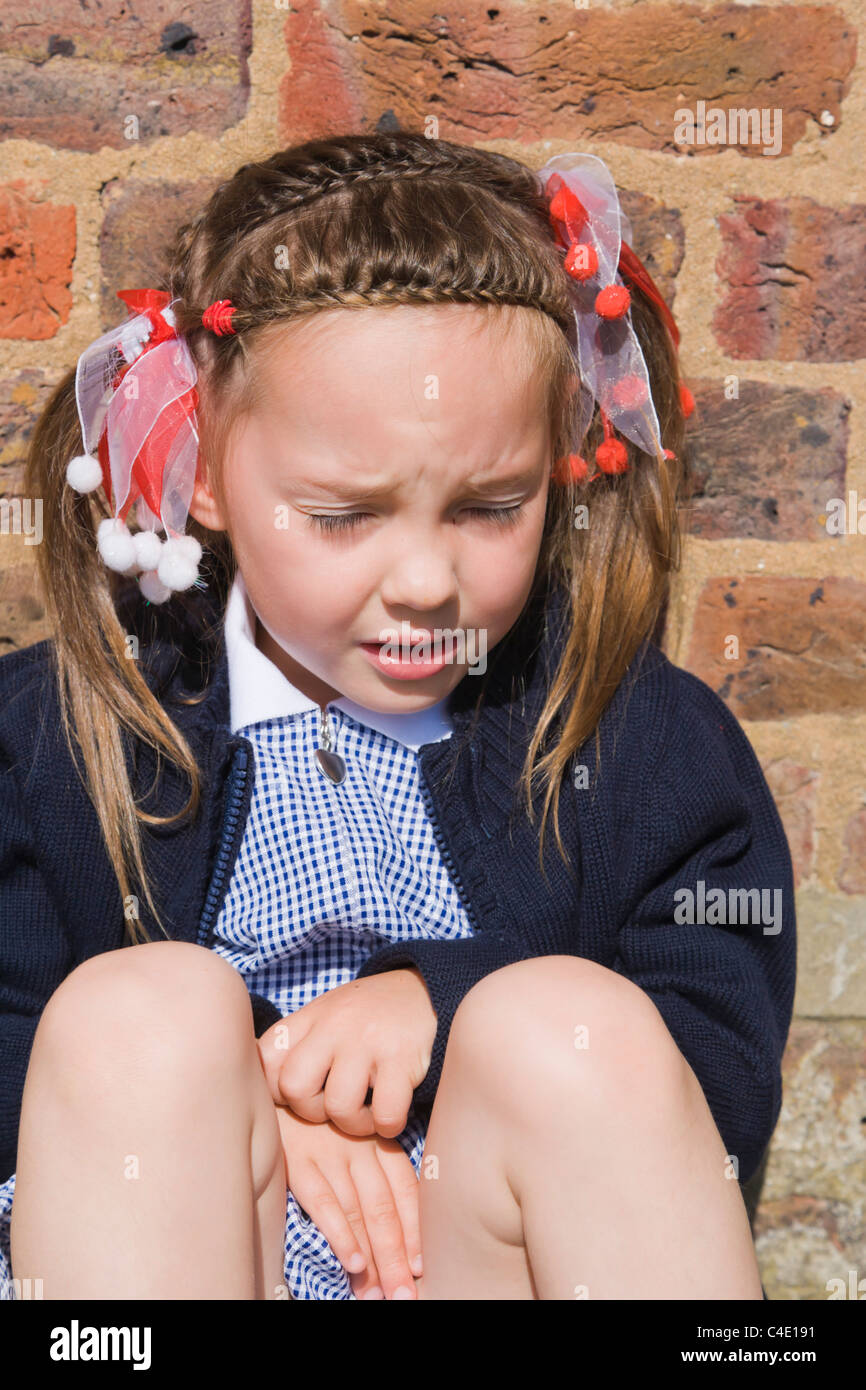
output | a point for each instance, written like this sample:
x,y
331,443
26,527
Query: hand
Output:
x,y
375,1034
363,1196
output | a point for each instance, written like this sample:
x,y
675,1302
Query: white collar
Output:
x,y
258,690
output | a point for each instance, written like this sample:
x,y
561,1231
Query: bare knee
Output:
x,y
166,1003
539,1025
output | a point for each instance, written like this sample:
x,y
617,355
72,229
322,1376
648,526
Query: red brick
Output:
x,y
657,236
139,222
531,72
802,645
73,73
741,489
37,248
852,874
22,396
795,273
794,790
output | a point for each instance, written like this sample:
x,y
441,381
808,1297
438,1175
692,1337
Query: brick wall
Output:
x,y
116,123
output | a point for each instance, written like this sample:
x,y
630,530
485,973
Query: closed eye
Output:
x,y
343,521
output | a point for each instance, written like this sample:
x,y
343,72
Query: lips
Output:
x,y
415,637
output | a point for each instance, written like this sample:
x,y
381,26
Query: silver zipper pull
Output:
x,y
330,762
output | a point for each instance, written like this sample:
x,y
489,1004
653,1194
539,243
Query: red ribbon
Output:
x,y
566,208
149,465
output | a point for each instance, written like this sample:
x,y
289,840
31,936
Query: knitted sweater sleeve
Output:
x,y
707,920
35,955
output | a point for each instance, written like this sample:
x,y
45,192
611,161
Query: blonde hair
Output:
x,y
353,222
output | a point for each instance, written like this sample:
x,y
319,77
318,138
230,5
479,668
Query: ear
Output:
x,y
204,505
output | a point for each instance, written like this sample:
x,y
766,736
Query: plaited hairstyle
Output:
x,y
349,222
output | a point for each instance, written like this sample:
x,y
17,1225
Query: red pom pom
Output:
x,y
571,469
581,261
669,453
629,393
612,302
687,400
612,456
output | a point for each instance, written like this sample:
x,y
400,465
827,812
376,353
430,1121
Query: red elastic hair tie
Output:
x,y
218,317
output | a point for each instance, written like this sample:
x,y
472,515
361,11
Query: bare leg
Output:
x,y
149,1157
575,1172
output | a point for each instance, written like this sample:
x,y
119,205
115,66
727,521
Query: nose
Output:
x,y
421,576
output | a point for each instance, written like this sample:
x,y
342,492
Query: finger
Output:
x,y
316,1195
275,1044
383,1224
392,1097
303,1075
406,1188
345,1093
367,1283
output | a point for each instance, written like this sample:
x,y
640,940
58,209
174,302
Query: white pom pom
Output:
x,y
148,549
116,545
188,545
83,473
152,588
169,316
178,566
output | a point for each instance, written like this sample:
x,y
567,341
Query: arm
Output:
x,y
35,956
449,970
724,988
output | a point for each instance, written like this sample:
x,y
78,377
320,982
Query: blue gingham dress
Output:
x,y
325,875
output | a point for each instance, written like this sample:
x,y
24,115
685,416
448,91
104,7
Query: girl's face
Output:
x,y
396,471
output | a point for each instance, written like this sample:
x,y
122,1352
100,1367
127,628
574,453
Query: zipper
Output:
x,y
237,781
445,851
331,764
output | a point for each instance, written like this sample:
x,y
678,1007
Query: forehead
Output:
x,y
442,353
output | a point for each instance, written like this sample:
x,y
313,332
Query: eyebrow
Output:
x,y
349,492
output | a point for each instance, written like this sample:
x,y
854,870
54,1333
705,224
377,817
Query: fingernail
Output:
x,y
375,1292
402,1292
416,1264
356,1263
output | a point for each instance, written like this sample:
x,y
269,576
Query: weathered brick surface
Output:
x,y
810,1227
802,645
72,74
528,72
794,274
852,874
794,788
766,463
37,248
22,396
139,222
658,238
22,614
831,962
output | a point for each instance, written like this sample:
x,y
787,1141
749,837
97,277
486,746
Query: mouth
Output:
x,y
415,637
411,665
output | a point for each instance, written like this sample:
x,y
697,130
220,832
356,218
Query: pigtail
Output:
x,y
100,685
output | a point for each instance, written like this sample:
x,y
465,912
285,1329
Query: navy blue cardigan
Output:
x,y
680,799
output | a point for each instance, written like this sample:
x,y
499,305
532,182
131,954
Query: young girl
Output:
x,y
422,406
